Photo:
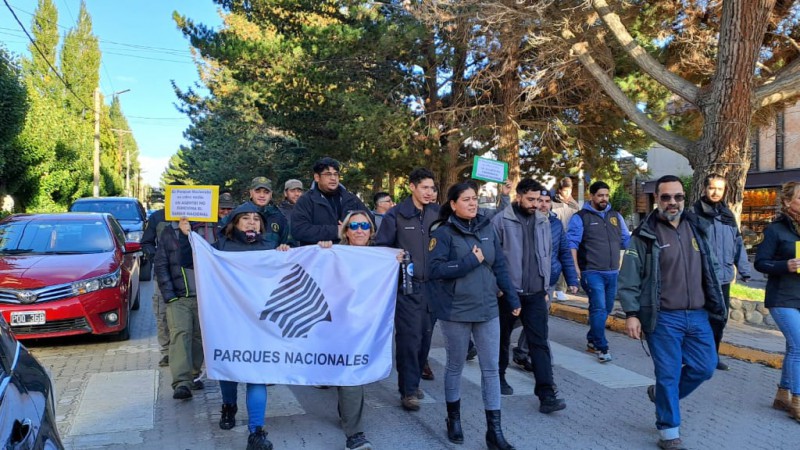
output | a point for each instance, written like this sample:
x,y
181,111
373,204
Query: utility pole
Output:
x,y
96,154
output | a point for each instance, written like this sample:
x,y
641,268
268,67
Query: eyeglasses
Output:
x,y
666,197
387,200
329,174
355,225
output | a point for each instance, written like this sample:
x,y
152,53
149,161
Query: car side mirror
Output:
x,y
131,247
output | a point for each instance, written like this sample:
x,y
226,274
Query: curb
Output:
x,y
614,323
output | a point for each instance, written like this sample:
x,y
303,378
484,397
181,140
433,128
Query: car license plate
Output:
x,y
27,318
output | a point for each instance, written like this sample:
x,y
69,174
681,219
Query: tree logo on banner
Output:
x,y
296,305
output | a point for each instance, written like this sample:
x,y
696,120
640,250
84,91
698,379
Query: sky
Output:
x,y
143,50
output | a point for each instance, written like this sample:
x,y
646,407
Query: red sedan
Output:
x,y
66,274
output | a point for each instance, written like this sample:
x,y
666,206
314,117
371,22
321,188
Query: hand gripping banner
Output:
x,y
308,316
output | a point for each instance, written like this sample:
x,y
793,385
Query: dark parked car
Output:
x,y
27,406
66,274
130,214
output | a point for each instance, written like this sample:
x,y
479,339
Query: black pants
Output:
x,y
718,325
534,316
412,328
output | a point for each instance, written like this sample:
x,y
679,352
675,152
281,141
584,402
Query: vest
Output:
x,y
601,243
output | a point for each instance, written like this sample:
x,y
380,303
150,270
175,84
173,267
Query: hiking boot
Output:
x,y
258,440
671,444
603,357
505,388
228,419
182,393
427,373
783,400
419,394
410,403
164,362
651,392
358,442
198,385
472,353
551,403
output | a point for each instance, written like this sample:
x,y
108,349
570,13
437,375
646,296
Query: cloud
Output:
x,y
152,168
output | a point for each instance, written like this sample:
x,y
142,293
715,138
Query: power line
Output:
x,y
33,41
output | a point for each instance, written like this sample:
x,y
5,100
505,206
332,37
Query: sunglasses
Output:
x,y
666,197
355,225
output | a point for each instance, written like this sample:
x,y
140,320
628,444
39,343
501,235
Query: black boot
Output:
x,y
228,419
454,432
494,433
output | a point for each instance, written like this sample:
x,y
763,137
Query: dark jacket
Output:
x,y
406,227
237,242
772,258
175,277
725,240
561,256
314,220
466,290
509,232
639,283
150,235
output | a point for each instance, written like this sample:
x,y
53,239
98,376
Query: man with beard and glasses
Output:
x,y
596,235
668,289
725,241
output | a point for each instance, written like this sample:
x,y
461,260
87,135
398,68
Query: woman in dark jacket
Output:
x,y
777,256
241,234
469,270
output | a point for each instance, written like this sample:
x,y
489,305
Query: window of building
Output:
x,y
779,129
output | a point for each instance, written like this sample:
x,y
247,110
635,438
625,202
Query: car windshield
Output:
x,y
54,237
120,210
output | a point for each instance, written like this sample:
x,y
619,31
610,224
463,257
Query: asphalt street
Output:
x,y
113,395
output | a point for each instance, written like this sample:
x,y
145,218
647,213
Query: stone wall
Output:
x,y
750,312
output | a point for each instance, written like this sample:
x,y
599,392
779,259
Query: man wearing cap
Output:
x,y
292,190
277,226
318,213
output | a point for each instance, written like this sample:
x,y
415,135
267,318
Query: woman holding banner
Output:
x,y
778,257
244,233
357,229
467,264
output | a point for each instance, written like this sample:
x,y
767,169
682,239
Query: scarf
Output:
x,y
718,209
794,218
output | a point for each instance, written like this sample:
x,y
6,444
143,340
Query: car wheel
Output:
x,y
146,270
135,304
125,334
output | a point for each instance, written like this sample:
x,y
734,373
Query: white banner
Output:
x,y
308,316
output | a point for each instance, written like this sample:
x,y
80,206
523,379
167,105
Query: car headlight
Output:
x,y
134,236
95,284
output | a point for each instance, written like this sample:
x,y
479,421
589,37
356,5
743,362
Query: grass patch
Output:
x,y
747,293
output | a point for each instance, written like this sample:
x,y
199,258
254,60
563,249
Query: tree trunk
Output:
x,y
508,142
728,103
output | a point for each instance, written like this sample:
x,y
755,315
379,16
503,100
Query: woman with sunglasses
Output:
x,y
469,269
357,229
777,256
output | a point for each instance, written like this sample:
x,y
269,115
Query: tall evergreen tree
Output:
x,y
80,63
38,72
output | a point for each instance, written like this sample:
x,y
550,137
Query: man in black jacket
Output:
x,y
318,213
407,226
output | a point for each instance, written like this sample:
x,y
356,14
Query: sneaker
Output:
x,y
472,353
603,357
419,394
427,373
198,385
358,442
182,393
164,362
524,364
591,348
722,366
560,295
410,403
551,403
671,444
258,440
505,388
228,419
651,392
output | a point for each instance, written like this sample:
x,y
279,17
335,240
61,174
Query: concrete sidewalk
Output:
x,y
740,341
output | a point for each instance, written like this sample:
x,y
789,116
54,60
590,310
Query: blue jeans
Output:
x,y
684,356
256,401
788,320
601,287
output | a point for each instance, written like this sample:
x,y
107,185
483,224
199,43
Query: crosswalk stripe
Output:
x,y
608,374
